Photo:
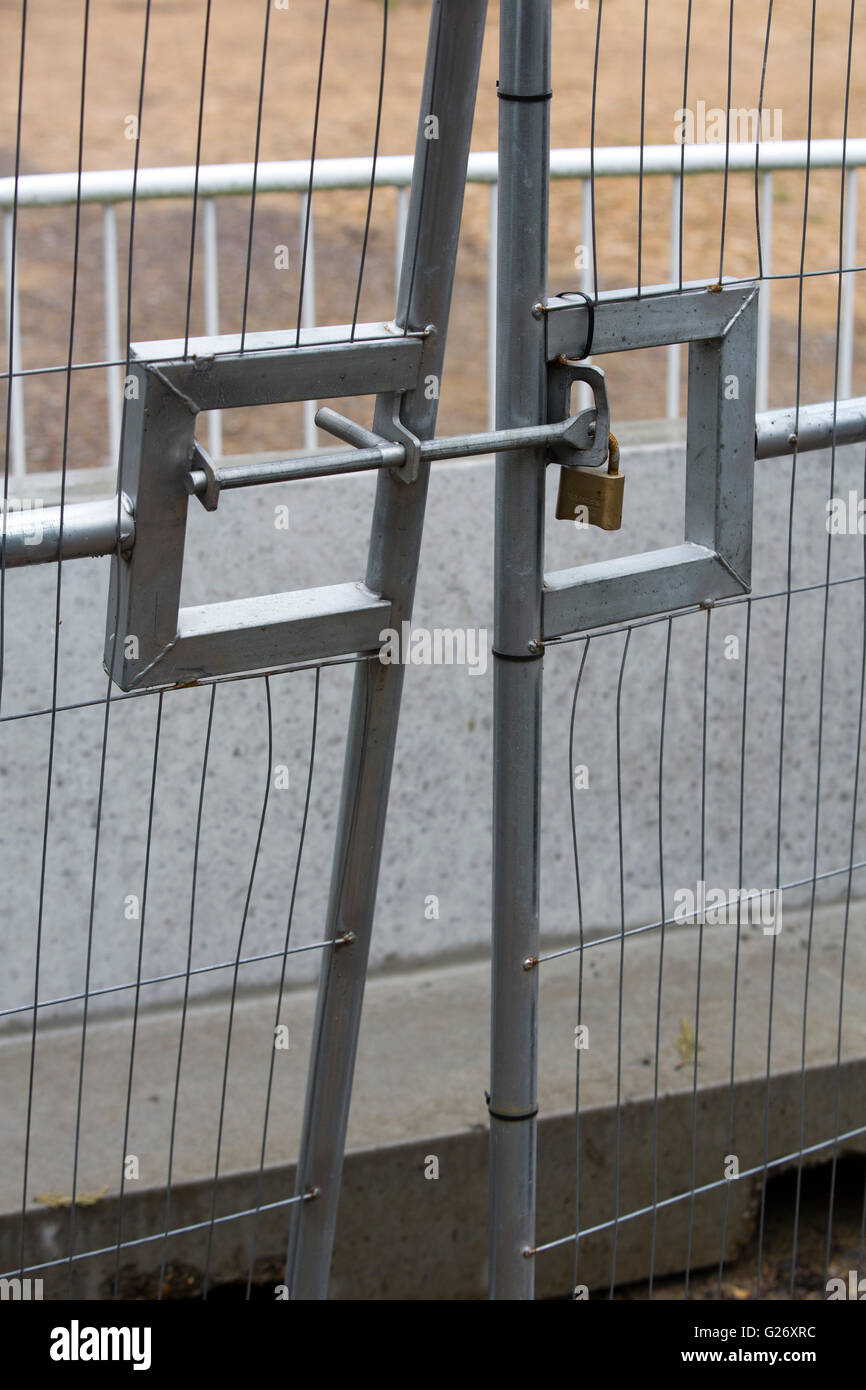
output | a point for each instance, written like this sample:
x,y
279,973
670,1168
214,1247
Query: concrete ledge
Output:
x,y
422,1070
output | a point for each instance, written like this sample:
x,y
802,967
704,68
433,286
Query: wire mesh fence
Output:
x,y
679,998
636,160
713,753
148,801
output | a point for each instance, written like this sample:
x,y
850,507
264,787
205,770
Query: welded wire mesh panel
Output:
x,y
167,850
223,179
154,101
203,800
700,976
694,91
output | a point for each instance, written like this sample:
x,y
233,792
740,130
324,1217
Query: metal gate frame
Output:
x,y
153,643
534,334
144,528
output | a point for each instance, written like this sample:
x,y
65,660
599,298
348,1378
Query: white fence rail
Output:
x,y
113,187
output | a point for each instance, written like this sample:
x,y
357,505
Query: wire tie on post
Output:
x,y
515,96
590,319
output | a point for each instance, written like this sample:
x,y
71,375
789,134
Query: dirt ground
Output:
x,y
846,1252
51,103
738,1276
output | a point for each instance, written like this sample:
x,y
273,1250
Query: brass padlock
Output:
x,y
591,497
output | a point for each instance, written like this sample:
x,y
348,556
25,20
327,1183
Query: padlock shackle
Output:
x,y
612,454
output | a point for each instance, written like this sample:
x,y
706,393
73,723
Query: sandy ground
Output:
x,y
52,89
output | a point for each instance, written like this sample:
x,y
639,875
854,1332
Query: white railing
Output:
x,y
113,187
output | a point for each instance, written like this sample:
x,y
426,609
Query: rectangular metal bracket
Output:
x,y
150,640
719,323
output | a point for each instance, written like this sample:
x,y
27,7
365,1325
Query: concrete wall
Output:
x,y
439,824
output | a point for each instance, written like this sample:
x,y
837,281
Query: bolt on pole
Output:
x,y
524,158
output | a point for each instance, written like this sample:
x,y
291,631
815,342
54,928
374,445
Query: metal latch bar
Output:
x,y
571,439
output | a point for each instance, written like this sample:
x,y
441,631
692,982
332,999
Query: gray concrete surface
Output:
x,y
422,1070
423,1059
438,831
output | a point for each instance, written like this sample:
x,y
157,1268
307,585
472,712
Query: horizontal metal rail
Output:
x,y
375,452
779,432
817,427
41,535
395,171
32,536
112,187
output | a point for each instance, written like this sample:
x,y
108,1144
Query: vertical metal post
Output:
x,y
524,158
17,445
111,295
587,273
212,312
400,232
438,182
672,392
308,311
492,222
849,258
762,370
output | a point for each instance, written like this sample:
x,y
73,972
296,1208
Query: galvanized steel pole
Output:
x,y
524,155
442,152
